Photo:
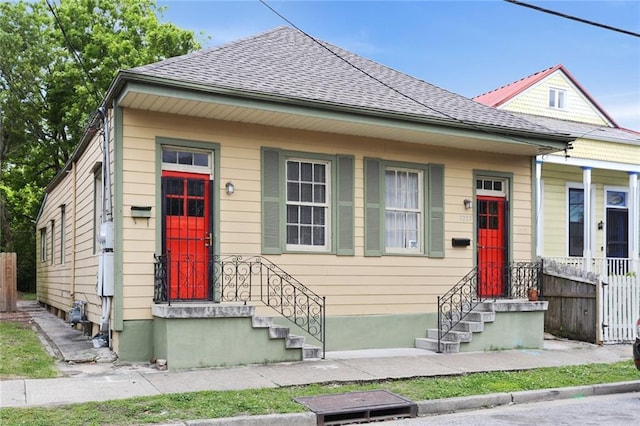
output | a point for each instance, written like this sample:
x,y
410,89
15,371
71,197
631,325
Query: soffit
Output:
x,y
321,121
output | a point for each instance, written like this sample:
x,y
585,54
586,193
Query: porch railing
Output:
x,y
464,297
605,267
255,279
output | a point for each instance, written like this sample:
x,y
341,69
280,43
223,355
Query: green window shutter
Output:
x,y
436,210
372,207
345,210
271,200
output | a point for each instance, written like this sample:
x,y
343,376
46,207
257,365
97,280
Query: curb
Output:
x,y
450,405
436,406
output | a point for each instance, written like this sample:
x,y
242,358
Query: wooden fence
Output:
x,y
8,282
601,306
573,303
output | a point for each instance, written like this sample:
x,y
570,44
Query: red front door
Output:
x,y
187,234
491,246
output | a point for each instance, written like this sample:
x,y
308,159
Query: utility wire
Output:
x,y
575,18
87,77
466,123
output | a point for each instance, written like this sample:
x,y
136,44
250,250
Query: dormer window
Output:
x,y
557,98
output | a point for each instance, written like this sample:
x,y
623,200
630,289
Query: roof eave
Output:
x,y
500,131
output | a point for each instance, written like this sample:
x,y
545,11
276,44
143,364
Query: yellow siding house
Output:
x,y
260,200
587,198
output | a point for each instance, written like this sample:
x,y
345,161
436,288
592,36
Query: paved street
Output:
x,y
607,410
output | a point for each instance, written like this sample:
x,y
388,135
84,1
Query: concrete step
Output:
x,y
261,322
472,326
278,332
451,336
429,344
293,341
311,352
481,316
485,307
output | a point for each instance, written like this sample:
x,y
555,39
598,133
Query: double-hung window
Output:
x,y
403,210
557,98
43,244
576,221
307,204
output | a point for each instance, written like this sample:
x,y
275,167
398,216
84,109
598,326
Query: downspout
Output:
x,y
105,287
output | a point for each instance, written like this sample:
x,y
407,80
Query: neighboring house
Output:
x,y
588,199
283,175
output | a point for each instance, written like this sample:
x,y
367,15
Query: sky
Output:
x,y
466,47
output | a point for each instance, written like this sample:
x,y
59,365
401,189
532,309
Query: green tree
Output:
x,y
57,62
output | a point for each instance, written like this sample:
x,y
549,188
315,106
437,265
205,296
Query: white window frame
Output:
x,y
326,206
608,189
492,192
43,244
569,186
208,169
418,247
53,241
63,220
557,98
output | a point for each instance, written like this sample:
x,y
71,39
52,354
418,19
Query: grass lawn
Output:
x,y
22,354
216,404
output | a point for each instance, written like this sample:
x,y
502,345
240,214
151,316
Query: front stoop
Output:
x,y
461,333
291,341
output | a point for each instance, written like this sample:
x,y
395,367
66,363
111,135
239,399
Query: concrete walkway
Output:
x,y
93,374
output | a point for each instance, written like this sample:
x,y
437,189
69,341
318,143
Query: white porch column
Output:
x,y
634,217
586,251
539,218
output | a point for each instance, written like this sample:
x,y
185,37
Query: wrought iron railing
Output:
x,y
464,297
457,303
255,279
522,277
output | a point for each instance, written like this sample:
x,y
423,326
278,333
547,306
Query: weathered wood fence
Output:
x,y
8,282
593,307
573,302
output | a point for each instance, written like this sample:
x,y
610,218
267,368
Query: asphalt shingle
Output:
x,y
287,64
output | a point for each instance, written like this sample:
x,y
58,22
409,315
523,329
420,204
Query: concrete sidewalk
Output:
x,y
93,374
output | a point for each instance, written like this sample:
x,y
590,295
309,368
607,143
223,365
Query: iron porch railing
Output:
x,y
254,279
457,303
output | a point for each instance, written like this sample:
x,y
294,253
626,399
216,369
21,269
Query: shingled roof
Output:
x,y
286,65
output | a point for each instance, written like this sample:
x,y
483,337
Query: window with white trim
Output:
x,y
403,210
43,244
63,219
53,241
307,204
557,98
575,224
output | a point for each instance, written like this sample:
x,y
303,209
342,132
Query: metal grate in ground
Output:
x,y
358,407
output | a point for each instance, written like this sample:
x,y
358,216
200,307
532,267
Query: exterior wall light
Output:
x,y
230,188
467,203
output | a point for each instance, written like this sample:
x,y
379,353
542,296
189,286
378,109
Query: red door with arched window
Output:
x,y
187,234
